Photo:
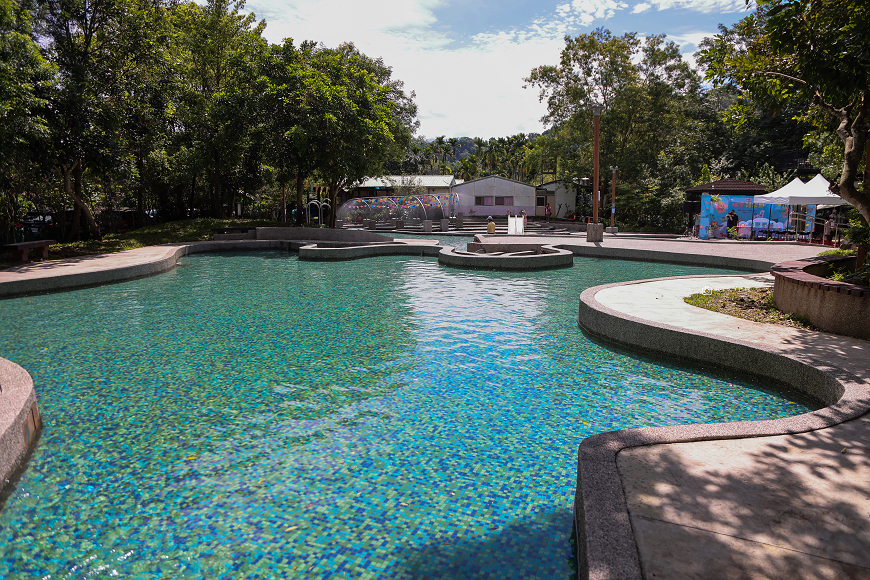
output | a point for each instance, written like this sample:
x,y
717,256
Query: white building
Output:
x,y
562,196
495,195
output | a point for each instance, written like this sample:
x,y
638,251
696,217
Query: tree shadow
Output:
x,y
522,549
787,506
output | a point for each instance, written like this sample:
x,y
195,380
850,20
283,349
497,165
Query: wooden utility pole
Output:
x,y
596,112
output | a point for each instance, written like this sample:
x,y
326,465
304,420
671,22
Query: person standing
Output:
x,y
490,225
696,230
731,221
547,212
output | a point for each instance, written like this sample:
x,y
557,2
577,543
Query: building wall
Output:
x,y
523,196
566,198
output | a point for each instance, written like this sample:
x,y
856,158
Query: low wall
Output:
x,y
329,252
604,252
163,259
317,234
498,247
548,258
20,422
800,289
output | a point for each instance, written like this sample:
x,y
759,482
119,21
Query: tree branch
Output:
x,y
779,74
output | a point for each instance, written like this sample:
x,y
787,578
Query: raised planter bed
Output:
x,y
800,288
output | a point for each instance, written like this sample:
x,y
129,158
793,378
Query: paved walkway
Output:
x,y
789,506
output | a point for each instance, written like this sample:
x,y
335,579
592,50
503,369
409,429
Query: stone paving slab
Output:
x,y
785,506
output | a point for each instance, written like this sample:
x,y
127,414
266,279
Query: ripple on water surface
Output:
x,y
253,416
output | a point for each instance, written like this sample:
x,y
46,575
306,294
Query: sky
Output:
x,y
466,59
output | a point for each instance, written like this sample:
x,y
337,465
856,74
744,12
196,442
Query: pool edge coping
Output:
x,y
605,537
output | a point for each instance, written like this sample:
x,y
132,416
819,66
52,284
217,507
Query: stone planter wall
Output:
x,y
800,289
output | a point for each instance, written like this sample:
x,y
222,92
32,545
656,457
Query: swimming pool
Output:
x,y
248,415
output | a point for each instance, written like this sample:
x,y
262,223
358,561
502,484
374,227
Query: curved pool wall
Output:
x,y
504,539
20,421
606,545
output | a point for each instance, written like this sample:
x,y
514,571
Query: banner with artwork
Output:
x,y
753,220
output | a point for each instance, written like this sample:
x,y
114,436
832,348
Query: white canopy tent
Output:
x,y
796,192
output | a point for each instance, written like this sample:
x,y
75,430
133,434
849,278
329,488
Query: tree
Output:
x,y
804,52
370,118
653,124
25,78
82,38
219,51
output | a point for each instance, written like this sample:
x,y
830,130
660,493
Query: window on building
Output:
x,y
484,200
507,200
542,200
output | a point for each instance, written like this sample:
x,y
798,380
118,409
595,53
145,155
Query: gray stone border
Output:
x,y
549,258
62,282
317,252
20,421
604,252
606,548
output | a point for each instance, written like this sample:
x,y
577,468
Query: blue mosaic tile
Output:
x,y
253,416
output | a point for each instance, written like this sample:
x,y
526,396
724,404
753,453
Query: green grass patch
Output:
x,y
754,304
838,252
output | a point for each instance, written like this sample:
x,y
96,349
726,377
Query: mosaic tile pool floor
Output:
x,y
253,416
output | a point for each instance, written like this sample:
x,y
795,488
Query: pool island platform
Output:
x,y
766,499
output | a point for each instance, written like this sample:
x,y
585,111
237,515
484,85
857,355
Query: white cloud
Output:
x,y
706,6
473,90
640,8
591,10
472,87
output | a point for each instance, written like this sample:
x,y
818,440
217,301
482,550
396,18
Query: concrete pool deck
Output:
x,y
729,502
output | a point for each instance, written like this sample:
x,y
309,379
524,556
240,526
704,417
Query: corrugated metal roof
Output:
x,y
496,177
421,180
728,185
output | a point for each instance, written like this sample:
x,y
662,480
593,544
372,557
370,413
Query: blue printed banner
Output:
x,y
753,219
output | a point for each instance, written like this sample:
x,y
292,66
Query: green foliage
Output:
x,y
180,107
808,56
858,232
25,80
658,126
837,252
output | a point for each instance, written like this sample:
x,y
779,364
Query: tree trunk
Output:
x,y
79,201
333,196
190,202
73,232
300,181
853,133
216,197
140,195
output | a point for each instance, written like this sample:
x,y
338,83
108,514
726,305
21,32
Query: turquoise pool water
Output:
x,y
253,416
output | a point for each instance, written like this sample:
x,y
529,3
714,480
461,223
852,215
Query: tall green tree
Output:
x,y
374,118
82,37
219,50
25,79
